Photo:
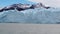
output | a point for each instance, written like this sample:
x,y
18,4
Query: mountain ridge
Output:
x,y
21,7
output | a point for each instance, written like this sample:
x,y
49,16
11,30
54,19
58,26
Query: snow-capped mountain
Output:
x,y
21,7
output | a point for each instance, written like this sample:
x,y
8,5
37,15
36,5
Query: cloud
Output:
x,y
53,3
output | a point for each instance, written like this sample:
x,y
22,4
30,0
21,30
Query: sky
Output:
x,y
4,3
52,3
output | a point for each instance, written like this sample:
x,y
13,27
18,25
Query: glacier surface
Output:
x,y
31,16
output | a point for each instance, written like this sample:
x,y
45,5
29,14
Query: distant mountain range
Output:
x,y
21,7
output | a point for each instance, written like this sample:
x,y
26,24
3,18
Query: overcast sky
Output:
x,y
53,3
10,2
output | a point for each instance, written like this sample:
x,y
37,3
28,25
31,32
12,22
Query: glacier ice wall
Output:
x,y
33,16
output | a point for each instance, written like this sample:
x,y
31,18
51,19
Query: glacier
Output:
x,y
31,16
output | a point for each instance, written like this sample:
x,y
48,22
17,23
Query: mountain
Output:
x,y
21,7
40,5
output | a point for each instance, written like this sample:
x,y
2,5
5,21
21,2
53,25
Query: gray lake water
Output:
x,y
12,28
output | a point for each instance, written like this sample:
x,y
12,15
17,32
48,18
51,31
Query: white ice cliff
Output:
x,y
34,16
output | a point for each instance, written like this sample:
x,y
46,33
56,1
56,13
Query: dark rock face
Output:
x,y
21,7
